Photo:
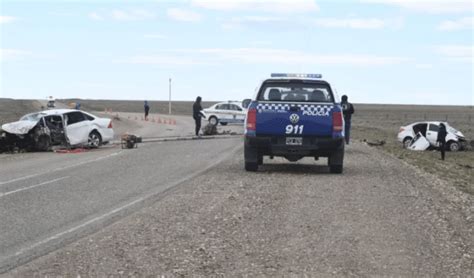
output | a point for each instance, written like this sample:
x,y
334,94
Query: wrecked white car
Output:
x,y
423,135
39,131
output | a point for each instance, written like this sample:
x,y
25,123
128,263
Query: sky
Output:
x,y
374,51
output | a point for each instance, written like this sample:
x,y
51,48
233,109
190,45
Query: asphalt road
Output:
x,y
382,217
49,199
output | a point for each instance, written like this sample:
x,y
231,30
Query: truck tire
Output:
x,y
251,159
335,169
336,161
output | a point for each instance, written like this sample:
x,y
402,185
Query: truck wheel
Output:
x,y
251,159
335,169
251,166
213,120
43,143
335,161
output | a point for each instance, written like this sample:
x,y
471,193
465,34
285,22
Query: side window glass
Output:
x,y
88,117
434,127
74,118
219,107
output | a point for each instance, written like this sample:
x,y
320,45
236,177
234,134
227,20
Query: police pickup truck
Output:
x,y
294,116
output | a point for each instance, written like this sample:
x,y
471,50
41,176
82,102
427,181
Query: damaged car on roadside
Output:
x,y
67,127
428,131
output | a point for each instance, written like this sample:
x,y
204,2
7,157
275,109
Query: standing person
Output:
x,y
147,110
442,139
197,115
347,111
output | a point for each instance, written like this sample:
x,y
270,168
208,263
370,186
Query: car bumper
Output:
x,y
312,146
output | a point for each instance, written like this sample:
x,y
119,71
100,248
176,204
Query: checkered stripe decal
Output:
x,y
315,108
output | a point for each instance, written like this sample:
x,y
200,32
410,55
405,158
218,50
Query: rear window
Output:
x,y
296,91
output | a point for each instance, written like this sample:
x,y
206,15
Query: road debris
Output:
x,y
374,143
130,141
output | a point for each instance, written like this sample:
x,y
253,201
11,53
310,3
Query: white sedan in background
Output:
x,y
225,112
59,126
455,139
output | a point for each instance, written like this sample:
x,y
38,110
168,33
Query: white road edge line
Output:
x,y
60,168
30,187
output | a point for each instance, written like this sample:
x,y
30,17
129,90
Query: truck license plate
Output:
x,y
294,141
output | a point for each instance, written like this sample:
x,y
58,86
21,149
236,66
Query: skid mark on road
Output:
x,y
59,169
30,187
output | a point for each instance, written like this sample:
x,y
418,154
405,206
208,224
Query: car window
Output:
x,y
295,90
88,117
223,107
74,118
235,107
434,127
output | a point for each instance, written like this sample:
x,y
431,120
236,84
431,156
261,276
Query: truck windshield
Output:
x,y
295,91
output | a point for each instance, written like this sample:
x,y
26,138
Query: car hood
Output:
x,y
19,127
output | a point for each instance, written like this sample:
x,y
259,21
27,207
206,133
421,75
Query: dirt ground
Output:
x,y
380,218
11,110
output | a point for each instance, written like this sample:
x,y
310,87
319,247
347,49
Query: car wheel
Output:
x,y
43,143
213,120
94,140
407,142
223,123
454,146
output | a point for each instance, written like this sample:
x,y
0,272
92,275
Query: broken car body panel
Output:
x,y
19,127
429,130
56,127
419,143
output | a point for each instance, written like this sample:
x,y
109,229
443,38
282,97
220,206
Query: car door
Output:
x,y
77,128
237,113
432,133
224,113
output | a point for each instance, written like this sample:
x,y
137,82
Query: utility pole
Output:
x,y
169,103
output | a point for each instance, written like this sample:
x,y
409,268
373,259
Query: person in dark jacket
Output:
x,y
147,110
197,114
442,139
347,111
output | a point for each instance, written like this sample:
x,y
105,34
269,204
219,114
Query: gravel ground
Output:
x,y
381,217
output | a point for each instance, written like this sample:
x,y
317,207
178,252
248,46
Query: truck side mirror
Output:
x,y
246,103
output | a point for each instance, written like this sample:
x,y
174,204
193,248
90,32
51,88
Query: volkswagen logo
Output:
x,y
294,118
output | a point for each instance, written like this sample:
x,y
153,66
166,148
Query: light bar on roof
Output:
x,y
298,75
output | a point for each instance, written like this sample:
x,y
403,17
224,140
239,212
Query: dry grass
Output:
x,y
373,123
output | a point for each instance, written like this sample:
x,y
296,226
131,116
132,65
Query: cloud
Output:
x,y
273,6
219,56
95,16
352,23
456,53
132,15
154,36
458,24
424,66
12,54
183,15
429,6
7,19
